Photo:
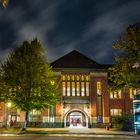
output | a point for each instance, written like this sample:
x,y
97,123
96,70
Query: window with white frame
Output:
x,y
116,94
35,112
115,112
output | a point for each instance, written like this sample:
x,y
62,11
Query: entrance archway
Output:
x,y
75,118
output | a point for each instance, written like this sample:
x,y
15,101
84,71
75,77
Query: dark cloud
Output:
x,y
62,25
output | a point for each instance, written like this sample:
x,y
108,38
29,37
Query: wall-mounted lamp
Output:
x,y
88,108
64,109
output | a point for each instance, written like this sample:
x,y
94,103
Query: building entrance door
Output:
x,y
76,119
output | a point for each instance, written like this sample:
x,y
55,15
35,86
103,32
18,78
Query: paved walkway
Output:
x,y
78,132
82,131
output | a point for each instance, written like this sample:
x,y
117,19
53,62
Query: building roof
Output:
x,y
76,59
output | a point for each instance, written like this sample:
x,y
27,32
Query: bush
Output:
x,y
124,122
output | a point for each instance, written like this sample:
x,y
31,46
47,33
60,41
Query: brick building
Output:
x,y
85,97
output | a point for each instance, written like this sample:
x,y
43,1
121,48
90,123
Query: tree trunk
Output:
x,y
26,121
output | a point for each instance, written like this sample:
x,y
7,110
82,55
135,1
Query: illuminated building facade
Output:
x,y
85,99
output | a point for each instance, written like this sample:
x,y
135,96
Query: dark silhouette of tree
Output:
x,y
126,71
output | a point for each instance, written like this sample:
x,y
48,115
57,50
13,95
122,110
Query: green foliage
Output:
x,y
4,3
26,77
124,122
126,71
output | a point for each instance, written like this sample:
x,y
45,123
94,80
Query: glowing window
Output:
x,y
77,78
35,112
87,78
78,88
64,88
115,112
111,95
68,88
82,78
99,88
68,77
119,94
116,94
131,93
73,88
73,78
63,77
87,88
82,89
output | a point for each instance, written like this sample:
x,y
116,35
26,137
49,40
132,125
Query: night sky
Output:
x,y
89,26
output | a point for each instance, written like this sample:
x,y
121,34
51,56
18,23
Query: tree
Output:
x,y
27,78
126,71
4,3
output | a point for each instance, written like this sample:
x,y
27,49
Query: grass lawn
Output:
x,y
15,130
33,130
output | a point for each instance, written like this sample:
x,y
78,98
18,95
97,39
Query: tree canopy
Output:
x,y
4,3
126,71
27,79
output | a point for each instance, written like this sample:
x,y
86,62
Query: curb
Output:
x,y
70,133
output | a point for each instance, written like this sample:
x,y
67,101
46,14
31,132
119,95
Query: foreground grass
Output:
x,y
16,130
32,130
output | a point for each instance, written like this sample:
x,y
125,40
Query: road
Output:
x,y
91,137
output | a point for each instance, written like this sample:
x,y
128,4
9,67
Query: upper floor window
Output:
x,y
75,85
116,94
68,88
133,92
64,88
87,88
78,88
99,88
82,89
73,88
63,77
35,112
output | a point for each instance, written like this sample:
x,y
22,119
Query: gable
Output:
x,y
76,59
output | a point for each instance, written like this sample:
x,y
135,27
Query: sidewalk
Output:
x,y
81,131
70,131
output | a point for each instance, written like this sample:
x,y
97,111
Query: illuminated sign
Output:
x,y
136,107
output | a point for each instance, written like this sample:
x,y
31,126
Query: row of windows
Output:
x,y
75,77
118,94
133,92
115,112
75,88
77,85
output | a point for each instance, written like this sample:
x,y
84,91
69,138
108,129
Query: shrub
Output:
x,y
124,122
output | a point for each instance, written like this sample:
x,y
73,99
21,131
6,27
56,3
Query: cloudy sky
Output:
x,y
89,26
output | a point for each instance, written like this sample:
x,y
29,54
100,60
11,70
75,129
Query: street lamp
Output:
x,y
8,104
7,110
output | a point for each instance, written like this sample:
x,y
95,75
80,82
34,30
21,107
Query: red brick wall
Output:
x,y
93,96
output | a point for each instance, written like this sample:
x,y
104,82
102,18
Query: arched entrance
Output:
x,y
76,118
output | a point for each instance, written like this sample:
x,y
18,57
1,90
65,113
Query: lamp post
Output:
x,y
8,106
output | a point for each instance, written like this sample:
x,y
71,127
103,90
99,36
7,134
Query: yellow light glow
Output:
x,y
52,82
9,104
